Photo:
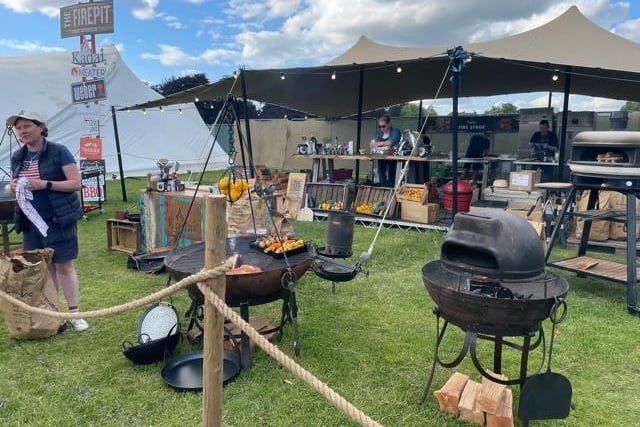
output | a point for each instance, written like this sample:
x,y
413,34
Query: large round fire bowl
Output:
x,y
507,308
187,261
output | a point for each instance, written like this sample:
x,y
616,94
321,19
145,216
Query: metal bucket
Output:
x,y
339,233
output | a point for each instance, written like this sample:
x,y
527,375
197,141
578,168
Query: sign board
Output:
x,y
92,90
86,18
87,57
89,72
90,127
91,148
295,185
94,188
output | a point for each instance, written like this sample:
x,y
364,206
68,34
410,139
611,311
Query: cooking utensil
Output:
x,y
305,214
548,395
289,281
157,322
184,373
151,351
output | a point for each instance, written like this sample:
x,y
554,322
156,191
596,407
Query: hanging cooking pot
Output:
x,y
184,373
336,270
303,148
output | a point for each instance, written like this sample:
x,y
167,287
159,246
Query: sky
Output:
x,y
160,39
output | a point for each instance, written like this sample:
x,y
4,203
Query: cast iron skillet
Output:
x,y
151,351
184,373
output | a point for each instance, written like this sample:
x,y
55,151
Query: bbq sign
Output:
x,y
86,18
92,90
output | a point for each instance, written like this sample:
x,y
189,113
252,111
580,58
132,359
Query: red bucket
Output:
x,y
464,196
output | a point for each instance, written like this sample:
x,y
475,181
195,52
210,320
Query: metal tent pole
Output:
x,y
359,128
117,138
565,117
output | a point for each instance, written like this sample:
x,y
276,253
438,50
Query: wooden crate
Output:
x,y
417,212
124,236
319,192
370,195
421,188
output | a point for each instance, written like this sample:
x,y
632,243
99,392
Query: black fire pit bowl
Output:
x,y
479,312
491,277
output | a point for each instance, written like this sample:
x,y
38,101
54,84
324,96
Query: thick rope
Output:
x,y
156,296
336,400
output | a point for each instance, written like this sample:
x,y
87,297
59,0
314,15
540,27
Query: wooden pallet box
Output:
x,y
413,193
417,212
124,236
331,193
367,195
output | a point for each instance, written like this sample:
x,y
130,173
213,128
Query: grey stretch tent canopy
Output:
x,y
601,64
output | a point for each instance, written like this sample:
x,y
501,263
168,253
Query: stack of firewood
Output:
x,y
487,403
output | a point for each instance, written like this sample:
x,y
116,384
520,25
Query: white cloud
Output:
x,y
29,46
174,56
629,29
263,9
195,1
50,8
145,9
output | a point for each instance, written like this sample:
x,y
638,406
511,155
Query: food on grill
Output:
x,y
245,269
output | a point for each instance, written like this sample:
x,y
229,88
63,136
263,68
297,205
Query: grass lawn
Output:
x,y
372,341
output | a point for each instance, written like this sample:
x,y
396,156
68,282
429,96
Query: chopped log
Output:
x,y
490,394
449,395
504,415
468,406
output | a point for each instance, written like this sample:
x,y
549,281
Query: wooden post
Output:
x,y
214,255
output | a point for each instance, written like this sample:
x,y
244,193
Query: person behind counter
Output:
x,y
478,148
543,143
49,171
385,141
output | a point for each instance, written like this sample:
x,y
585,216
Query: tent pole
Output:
x,y
359,128
420,116
565,117
117,138
246,119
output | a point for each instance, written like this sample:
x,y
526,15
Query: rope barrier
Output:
x,y
156,296
332,396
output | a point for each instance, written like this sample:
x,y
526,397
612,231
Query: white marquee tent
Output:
x,y
42,83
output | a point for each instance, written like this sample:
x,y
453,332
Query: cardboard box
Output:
x,y
523,180
417,212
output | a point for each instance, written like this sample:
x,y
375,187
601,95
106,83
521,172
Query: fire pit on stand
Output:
x,y
245,290
491,283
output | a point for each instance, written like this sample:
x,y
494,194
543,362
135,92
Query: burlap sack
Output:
x,y
599,229
26,276
239,215
618,230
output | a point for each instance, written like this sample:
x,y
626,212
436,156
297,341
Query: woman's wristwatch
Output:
x,y
49,185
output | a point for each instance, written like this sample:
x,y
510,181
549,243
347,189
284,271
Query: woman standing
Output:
x,y
50,172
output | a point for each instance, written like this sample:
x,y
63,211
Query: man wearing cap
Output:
x,y
49,171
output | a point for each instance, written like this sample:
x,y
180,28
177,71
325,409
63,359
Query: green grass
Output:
x,y
372,342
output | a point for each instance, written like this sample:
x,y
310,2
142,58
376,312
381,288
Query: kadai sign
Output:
x,y
91,148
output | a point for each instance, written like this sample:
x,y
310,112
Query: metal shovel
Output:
x,y
548,395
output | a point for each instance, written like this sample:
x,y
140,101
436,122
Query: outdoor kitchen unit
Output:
x,y
491,282
605,160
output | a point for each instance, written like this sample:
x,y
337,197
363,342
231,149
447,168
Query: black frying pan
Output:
x,y
184,373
